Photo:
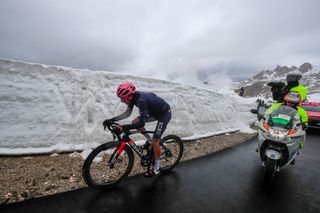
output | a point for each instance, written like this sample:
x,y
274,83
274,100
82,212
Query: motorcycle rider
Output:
x,y
293,99
151,108
278,90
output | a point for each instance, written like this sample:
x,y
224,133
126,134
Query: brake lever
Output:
x,y
111,125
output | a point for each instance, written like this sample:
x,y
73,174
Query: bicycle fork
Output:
x,y
116,153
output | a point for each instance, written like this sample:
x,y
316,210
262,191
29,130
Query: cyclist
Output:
x,y
151,108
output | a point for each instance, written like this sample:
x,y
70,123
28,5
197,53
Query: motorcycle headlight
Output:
x,y
277,133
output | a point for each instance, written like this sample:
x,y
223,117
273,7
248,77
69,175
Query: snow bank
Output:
x,y
59,108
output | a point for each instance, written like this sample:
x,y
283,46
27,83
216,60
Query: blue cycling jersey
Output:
x,y
150,105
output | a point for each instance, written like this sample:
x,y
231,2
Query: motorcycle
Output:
x,y
280,136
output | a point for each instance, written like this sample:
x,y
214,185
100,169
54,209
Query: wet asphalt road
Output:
x,y
227,181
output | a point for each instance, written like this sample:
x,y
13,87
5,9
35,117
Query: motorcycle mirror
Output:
x,y
254,111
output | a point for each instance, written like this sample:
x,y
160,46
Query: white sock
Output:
x,y
156,165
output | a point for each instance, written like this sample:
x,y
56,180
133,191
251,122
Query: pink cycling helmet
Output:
x,y
126,89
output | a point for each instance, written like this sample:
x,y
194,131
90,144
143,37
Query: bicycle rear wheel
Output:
x,y
171,148
104,167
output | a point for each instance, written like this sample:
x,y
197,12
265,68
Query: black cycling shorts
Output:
x,y
163,120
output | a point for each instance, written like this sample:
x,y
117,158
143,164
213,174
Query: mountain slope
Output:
x,y
257,86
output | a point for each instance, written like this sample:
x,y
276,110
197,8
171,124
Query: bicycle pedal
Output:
x,y
145,164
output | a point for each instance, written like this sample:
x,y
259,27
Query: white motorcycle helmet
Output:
x,y
294,76
292,99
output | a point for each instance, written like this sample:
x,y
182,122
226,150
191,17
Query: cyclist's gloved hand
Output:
x,y
117,130
107,122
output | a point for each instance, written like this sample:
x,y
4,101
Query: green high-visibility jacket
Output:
x,y
273,107
302,113
303,91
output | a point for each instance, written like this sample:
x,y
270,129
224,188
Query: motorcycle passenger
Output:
x,y
280,90
294,86
151,108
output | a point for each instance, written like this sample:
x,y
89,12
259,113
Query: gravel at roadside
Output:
x,y
28,177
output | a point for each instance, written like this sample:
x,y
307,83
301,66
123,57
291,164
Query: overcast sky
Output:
x,y
166,38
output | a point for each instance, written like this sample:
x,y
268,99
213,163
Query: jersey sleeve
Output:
x,y
125,114
143,111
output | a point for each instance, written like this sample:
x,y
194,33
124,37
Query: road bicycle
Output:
x,y
110,163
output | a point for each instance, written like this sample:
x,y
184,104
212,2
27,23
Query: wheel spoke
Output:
x,y
171,152
104,167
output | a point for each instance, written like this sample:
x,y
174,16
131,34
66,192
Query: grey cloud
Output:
x,y
164,39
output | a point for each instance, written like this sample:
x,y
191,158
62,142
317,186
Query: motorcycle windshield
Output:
x,y
283,116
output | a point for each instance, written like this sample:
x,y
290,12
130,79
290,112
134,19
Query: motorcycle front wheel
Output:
x,y
269,171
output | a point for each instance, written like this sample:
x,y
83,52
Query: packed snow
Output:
x,y
47,109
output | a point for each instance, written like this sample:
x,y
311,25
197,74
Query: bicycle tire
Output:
x,y
174,144
97,161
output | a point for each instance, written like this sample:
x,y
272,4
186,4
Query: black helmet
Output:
x,y
278,90
294,76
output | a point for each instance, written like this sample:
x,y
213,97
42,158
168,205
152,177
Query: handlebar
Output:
x,y
260,116
112,126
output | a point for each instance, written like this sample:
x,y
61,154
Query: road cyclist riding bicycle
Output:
x,y
111,162
151,108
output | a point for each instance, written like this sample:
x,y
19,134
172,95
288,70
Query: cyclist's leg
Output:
x,y
160,128
149,119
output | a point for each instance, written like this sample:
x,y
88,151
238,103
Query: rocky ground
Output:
x,y
28,177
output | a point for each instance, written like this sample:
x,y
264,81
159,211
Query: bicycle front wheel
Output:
x,y
171,148
105,167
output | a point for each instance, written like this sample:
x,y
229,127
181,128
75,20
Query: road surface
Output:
x,y
227,181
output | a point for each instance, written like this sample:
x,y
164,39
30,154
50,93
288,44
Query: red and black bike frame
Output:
x,y
124,141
